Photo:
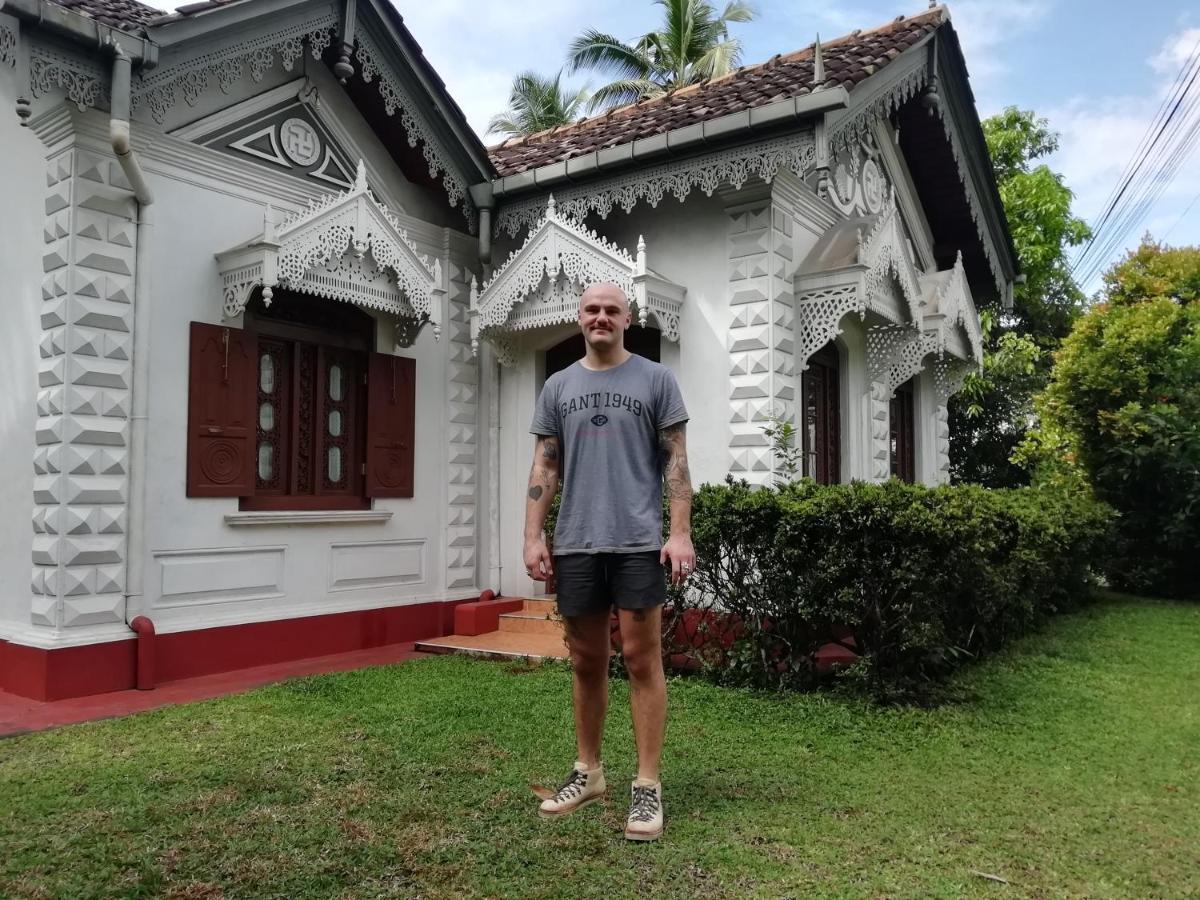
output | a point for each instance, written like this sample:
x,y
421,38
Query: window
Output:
x,y
902,439
294,412
821,412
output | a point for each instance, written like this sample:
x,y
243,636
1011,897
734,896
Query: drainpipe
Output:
x,y
118,131
118,126
485,201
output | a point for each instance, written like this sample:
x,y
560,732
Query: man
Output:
x,y
613,425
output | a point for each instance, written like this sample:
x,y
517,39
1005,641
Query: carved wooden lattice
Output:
x,y
541,281
348,247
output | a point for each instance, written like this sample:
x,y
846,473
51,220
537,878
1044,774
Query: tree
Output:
x,y
537,103
1122,410
991,415
693,44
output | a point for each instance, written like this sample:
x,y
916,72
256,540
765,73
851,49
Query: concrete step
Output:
x,y
542,606
530,623
499,645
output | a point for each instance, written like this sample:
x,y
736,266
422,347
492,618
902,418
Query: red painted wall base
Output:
x,y
99,668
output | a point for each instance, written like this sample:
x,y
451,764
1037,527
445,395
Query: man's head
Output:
x,y
604,315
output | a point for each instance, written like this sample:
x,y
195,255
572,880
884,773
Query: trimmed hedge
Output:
x,y
914,580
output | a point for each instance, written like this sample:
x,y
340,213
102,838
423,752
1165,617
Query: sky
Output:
x,y
1096,69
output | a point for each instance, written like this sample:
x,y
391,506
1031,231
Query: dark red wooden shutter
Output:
x,y
221,413
391,425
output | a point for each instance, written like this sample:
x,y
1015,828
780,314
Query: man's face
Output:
x,y
603,316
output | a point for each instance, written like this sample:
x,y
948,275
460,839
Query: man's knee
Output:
x,y
588,644
643,660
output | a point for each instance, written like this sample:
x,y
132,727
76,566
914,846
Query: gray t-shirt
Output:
x,y
607,424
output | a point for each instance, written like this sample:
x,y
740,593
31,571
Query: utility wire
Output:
x,y
1170,99
1164,147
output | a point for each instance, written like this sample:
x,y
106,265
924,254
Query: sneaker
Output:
x,y
584,786
645,822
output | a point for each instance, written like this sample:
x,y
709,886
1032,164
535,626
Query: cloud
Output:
x,y
1175,52
1099,137
985,28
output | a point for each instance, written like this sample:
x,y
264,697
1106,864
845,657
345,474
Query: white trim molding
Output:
x,y
324,250
541,281
765,160
395,97
227,65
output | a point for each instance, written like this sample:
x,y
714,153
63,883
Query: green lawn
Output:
x,y
1070,769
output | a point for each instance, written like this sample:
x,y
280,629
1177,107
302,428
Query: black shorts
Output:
x,y
595,582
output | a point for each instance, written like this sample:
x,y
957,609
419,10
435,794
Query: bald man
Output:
x,y
614,424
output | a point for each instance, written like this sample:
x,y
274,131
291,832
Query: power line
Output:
x,y
1163,148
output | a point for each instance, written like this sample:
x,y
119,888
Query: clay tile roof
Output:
x,y
127,15
848,61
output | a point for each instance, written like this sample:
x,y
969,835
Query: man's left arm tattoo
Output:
x,y
672,446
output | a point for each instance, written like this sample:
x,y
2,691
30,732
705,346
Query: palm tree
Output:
x,y
693,45
536,103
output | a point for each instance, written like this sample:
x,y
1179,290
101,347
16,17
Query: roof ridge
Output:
x,y
939,11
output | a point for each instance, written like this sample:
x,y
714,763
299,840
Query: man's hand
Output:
x,y
539,565
679,552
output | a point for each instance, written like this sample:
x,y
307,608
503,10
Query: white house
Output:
x,y
275,318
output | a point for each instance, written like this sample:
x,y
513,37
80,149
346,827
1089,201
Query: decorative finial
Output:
x,y
267,295
818,78
360,177
343,68
268,224
550,207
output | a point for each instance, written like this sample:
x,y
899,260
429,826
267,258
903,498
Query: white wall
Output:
x,y
22,185
211,572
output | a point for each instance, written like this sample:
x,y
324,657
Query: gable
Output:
x,y
281,132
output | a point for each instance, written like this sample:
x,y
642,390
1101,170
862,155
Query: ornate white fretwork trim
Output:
x,y
85,84
895,353
858,127
416,126
880,278
948,304
819,314
228,64
8,44
540,283
977,216
323,250
735,167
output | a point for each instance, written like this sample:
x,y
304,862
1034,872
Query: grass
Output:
x,y
1072,769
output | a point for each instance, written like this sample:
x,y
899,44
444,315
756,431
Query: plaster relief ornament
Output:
x,y
349,248
859,185
300,142
8,45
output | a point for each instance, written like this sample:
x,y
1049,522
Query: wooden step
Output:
x,y
499,645
530,623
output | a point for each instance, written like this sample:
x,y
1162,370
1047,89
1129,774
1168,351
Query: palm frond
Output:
x,y
719,60
536,103
622,92
595,50
739,11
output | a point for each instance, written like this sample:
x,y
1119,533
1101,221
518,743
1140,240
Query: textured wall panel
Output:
x,y
376,564
461,444
85,374
200,577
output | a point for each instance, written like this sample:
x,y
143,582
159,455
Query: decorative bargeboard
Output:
x,y
348,247
541,282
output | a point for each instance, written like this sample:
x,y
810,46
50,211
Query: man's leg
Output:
x,y
588,641
641,643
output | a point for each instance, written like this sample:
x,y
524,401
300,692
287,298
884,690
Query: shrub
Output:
x,y
1123,408
914,580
